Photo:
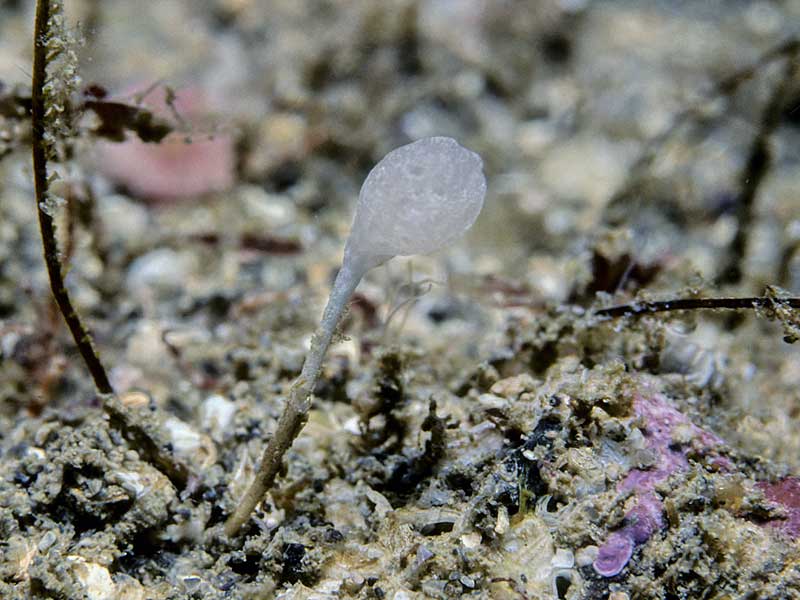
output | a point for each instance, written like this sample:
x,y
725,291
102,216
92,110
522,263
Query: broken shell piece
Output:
x,y
190,445
95,579
131,482
19,554
471,540
512,387
492,402
140,482
135,399
241,474
501,527
344,508
429,521
563,559
129,588
526,548
586,555
382,505
353,583
216,415
423,555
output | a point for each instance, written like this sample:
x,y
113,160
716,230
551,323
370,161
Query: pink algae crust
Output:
x,y
646,517
786,494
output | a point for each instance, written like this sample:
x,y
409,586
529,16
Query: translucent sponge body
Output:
x,y
418,199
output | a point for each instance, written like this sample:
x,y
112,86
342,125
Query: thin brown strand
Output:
x,y
81,335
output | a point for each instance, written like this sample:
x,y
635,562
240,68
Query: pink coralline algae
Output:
x,y
646,517
183,165
786,494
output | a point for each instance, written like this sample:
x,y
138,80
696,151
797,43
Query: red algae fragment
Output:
x,y
183,165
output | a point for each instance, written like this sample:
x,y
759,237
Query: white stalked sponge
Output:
x,y
418,199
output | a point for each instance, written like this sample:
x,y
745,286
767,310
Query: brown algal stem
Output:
x,y
637,309
119,417
47,227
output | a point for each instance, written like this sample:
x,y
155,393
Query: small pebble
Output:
x,y
471,540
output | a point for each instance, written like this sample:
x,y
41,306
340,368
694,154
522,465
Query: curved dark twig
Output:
x,y
636,309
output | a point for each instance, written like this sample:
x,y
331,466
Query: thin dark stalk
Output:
x,y
723,88
79,332
142,436
759,162
638,309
